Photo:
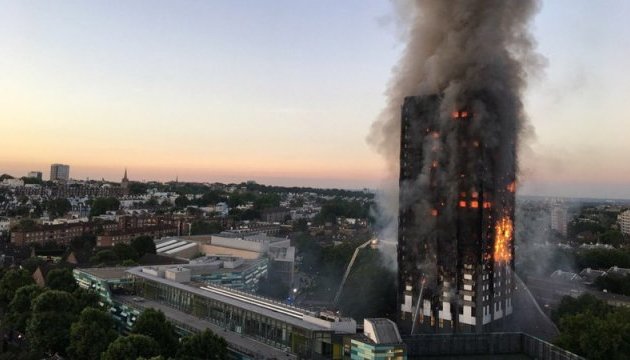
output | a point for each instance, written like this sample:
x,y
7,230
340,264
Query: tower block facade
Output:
x,y
456,211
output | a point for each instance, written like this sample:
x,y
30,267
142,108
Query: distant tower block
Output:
x,y
455,235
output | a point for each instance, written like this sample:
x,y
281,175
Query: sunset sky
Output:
x,y
282,92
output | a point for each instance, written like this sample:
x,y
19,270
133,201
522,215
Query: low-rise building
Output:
x,y
380,340
252,326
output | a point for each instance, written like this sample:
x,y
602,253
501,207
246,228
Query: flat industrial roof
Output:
x,y
242,342
107,273
137,271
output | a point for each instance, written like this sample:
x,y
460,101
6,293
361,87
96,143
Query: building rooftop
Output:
x,y
236,341
289,314
381,331
107,273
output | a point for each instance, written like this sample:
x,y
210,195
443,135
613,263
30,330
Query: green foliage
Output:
x,y
105,257
85,298
590,328
31,264
210,198
586,303
265,201
143,245
61,279
612,237
301,225
613,283
101,205
48,328
125,252
137,188
91,334
602,258
84,242
199,227
25,225
153,323
204,345
11,281
57,207
19,311
151,203
181,201
337,207
131,347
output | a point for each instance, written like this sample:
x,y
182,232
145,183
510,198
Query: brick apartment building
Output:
x,y
130,227
59,233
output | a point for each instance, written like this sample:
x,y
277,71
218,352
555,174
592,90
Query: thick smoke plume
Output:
x,y
473,54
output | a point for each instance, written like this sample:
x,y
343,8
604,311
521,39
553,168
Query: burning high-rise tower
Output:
x,y
455,236
460,82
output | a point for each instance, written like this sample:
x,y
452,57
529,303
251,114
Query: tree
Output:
x,y
57,207
91,334
53,313
181,201
137,188
19,311
105,257
613,283
61,279
10,283
205,227
153,323
204,345
596,337
84,242
86,298
102,205
143,245
125,252
131,347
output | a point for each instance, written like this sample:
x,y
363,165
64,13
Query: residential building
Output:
x,y
455,234
59,172
559,219
623,219
59,233
117,236
35,175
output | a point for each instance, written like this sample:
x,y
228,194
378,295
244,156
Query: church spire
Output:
x,y
125,177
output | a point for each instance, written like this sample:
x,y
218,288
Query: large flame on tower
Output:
x,y
502,240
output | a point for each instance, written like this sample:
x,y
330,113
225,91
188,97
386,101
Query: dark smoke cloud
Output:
x,y
460,49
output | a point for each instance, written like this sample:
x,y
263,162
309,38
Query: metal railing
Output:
x,y
484,344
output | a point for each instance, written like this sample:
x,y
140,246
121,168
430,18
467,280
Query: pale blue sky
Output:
x,y
280,91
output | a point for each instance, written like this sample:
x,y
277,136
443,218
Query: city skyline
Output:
x,y
282,99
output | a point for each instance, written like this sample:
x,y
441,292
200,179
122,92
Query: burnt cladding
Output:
x,y
455,252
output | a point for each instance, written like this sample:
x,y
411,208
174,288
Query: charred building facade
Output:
x,y
455,231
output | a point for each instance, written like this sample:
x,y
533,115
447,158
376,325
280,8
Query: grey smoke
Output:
x,y
459,49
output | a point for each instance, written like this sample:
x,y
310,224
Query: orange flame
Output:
x,y
503,240
511,187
